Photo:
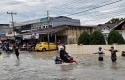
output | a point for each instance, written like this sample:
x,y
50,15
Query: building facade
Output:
x,y
4,28
68,34
105,29
43,23
121,28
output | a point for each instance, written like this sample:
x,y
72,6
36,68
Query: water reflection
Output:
x,y
8,54
101,64
44,55
67,66
1,55
114,66
17,63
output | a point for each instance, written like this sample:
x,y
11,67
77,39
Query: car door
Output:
x,y
53,46
45,45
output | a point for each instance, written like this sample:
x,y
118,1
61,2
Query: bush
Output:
x,y
84,38
115,37
97,38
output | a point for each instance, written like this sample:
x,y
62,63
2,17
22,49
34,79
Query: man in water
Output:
x,y
113,54
17,51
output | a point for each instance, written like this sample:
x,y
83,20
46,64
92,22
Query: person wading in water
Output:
x,y
17,51
101,53
113,54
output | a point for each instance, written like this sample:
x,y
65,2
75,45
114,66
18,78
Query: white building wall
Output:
x,y
123,34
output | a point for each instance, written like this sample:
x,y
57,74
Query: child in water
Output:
x,y
101,53
113,54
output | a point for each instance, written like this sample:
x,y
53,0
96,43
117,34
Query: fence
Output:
x,y
89,49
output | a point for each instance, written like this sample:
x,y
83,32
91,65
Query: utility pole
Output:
x,y
48,27
12,13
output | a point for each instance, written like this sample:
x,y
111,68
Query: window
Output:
x,y
43,27
39,27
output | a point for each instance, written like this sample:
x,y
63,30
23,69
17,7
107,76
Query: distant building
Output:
x,y
105,29
42,23
4,28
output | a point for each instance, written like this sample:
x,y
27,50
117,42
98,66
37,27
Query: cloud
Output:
x,y
31,9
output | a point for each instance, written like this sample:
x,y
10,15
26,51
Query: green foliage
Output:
x,y
115,37
84,38
97,38
114,20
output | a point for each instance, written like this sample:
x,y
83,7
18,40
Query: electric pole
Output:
x,y
48,27
12,13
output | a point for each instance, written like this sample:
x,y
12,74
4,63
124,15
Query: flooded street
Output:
x,y
41,66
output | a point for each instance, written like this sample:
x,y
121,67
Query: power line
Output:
x,y
95,8
76,5
106,17
101,15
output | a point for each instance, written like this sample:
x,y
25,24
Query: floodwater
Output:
x,y
41,66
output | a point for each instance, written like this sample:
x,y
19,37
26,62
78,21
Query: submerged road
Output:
x,y
41,66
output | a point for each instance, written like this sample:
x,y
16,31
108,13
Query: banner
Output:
x,y
36,35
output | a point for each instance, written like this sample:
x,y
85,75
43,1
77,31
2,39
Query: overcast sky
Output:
x,y
33,9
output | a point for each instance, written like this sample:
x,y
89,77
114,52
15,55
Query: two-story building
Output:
x,y
68,34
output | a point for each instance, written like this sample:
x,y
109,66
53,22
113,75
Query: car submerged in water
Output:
x,y
44,46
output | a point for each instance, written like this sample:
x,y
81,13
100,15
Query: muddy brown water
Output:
x,y
41,66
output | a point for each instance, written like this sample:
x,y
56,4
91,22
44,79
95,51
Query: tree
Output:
x,y
84,38
114,20
97,38
115,37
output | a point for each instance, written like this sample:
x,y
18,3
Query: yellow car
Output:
x,y
43,46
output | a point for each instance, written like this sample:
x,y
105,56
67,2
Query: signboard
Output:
x,y
36,35
27,37
2,35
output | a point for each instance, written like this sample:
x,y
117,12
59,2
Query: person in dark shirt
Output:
x,y
63,56
16,51
113,54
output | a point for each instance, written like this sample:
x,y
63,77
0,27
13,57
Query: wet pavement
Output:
x,y
41,66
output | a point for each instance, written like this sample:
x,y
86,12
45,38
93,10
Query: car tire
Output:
x,y
37,50
44,49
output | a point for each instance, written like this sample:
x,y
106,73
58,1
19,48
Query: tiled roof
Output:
x,y
118,25
108,26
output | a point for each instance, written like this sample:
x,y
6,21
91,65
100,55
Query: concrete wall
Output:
x,y
89,49
123,34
